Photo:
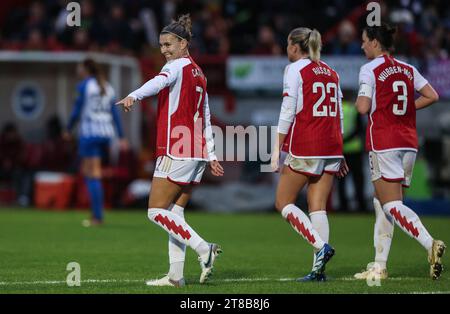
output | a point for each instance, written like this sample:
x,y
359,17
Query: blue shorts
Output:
x,y
93,146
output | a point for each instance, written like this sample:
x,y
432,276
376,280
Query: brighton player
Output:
x,y
386,94
99,123
184,147
311,110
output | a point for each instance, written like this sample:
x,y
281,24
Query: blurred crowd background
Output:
x,y
220,27
221,30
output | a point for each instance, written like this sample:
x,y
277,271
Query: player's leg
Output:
x,y
383,229
288,188
91,169
400,165
177,249
382,238
319,189
171,177
289,185
390,196
91,151
162,195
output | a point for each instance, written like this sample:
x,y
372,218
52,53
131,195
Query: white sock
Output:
x,y
177,227
177,249
382,234
203,251
319,221
410,223
301,223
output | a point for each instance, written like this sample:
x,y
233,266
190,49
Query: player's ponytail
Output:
x,y
314,45
308,40
93,69
181,28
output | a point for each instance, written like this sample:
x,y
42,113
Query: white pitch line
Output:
x,y
253,279
389,279
57,282
262,279
422,292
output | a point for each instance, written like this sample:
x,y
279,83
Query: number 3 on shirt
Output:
x,y
333,99
198,89
403,97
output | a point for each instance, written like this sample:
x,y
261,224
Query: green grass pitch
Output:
x,y
262,254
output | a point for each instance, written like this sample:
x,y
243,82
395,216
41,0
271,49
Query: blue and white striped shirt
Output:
x,y
98,113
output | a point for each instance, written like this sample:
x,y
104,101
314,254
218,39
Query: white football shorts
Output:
x,y
314,166
179,171
392,166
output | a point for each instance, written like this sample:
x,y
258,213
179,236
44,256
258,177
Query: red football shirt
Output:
x,y
181,112
317,130
392,117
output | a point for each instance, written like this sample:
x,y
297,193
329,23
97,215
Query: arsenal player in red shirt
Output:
x,y
386,94
311,113
184,147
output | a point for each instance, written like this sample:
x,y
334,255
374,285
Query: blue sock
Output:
x,y
95,189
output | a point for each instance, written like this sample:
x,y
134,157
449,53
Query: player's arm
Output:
x,y
363,104
165,78
427,97
152,87
427,93
208,130
343,168
116,119
118,124
365,93
77,108
287,115
216,167
291,82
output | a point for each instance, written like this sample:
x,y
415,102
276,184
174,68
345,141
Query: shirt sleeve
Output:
x,y
208,131
291,82
367,77
116,118
287,114
419,80
166,77
78,106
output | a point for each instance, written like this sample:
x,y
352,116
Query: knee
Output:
x,y
280,204
88,171
391,207
95,171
